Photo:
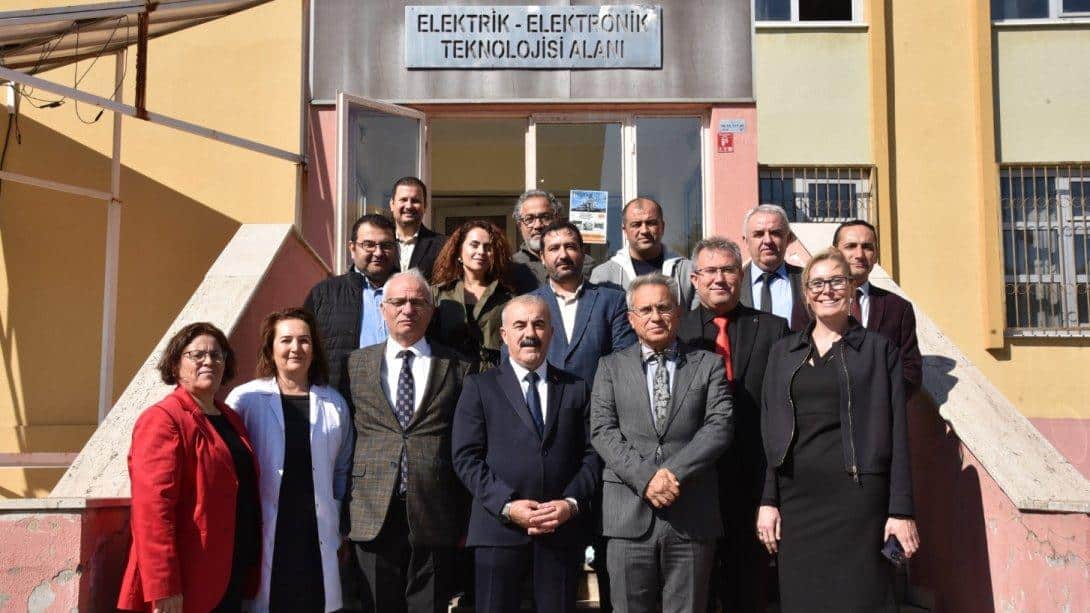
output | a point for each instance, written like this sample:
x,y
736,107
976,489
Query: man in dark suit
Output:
x,y
875,308
534,211
770,284
742,336
522,448
407,509
418,246
660,419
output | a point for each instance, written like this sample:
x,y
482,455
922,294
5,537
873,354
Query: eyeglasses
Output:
x,y
715,271
372,245
530,220
663,309
417,303
817,285
198,355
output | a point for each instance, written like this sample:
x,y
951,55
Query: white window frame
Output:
x,y
1056,12
857,16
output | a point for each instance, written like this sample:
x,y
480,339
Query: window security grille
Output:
x,y
818,194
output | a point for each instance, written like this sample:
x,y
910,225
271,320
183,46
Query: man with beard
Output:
x,y
534,211
418,246
742,336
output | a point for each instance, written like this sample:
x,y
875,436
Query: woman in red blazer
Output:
x,y
196,519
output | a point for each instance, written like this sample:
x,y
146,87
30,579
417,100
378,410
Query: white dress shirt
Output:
x,y
864,302
782,302
405,248
568,304
542,384
391,370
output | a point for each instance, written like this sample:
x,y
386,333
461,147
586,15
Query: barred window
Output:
x,y
818,194
1046,215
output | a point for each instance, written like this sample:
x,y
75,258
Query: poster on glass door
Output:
x,y
588,212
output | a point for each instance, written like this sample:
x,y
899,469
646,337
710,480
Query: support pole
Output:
x,y
113,241
142,65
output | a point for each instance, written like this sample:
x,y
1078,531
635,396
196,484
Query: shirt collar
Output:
x,y
420,348
755,272
646,352
556,291
520,372
408,241
366,280
865,289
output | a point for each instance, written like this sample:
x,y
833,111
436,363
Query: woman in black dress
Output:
x,y
835,433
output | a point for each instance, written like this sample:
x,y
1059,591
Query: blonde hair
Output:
x,y
830,254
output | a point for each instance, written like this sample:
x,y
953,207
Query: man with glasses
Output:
x,y
418,245
534,211
770,283
347,307
660,418
742,336
404,391
644,226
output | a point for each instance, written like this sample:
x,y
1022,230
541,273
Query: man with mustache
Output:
x,y
771,284
742,336
534,211
348,307
418,245
644,227
522,448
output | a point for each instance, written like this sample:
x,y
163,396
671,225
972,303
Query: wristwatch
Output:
x,y
505,513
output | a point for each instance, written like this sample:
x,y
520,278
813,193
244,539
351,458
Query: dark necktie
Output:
x,y
403,410
660,390
766,292
722,345
857,306
533,400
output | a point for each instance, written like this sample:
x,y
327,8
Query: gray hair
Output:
x,y
771,209
652,278
417,276
554,204
526,299
718,243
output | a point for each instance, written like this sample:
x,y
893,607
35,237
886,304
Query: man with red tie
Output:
x,y
743,336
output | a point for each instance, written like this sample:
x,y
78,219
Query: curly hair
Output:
x,y
172,355
448,268
318,373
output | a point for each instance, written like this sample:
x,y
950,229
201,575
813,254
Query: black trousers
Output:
x,y
399,576
501,572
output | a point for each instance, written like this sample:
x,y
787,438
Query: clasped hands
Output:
x,y
539,517
663,489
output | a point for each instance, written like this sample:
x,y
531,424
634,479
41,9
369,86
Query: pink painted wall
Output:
x,y
733,175
1071,437
319,206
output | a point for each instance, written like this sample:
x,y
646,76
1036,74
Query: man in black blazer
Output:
x,y
770,284
521,446
418,246
743,337
877,309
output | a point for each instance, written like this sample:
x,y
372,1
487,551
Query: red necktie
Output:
x,y
857,309
722,345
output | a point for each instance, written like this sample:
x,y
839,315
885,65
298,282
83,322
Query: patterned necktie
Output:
x,y
533,400
403,410
857,306
766,292
660,390
722,345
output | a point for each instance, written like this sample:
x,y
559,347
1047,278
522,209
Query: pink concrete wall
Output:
x,y
733,175
1071,437
319,206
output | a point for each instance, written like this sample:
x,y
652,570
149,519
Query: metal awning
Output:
x,y
36,40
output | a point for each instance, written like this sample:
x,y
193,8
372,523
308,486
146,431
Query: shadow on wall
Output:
x,y
53,262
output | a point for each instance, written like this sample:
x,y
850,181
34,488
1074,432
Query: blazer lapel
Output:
x,y
875,309
559,336
636,381
371,371
746,297
556,396
513,390
741,330
683,380
582,315
436,376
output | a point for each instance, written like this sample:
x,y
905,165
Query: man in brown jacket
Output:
x,y
407,508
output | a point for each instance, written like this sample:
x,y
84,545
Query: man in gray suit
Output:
x,y
660,418
407,508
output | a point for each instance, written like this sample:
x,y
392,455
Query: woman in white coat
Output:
x,y
302,436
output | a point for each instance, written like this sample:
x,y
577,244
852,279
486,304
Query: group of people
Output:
x,y
451,416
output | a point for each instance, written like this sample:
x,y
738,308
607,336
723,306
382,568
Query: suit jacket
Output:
x,y
698,430
799,315
183,506
500,457
893,317
601,327
428,245
435,501
752,334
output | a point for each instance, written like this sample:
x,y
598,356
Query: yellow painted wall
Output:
x,y
1044,93
813,96
183,198
946,192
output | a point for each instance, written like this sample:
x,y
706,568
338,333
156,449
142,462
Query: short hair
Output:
x,y
559,225
318,373
448,270
770,209
409,182
652,278
640,202
526,299
718,243
826,255
854,222
172,355
381,222
554,204
416,275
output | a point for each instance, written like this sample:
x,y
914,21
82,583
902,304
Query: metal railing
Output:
x,y
812,194
1045,211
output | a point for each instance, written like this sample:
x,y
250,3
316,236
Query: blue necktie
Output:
x,y
403,410
533,400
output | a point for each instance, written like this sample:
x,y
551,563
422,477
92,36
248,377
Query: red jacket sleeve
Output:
x,y
155,471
